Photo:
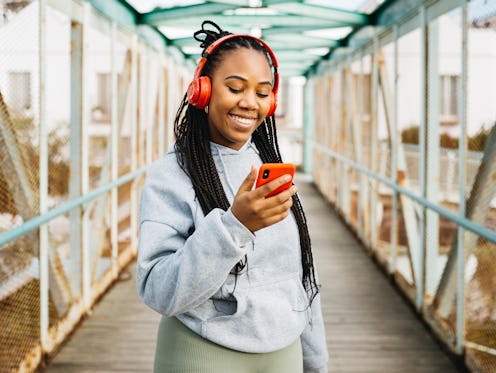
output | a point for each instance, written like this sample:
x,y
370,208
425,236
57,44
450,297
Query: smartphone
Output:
x,y
270,171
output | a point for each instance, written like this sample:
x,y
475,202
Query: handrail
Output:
x,y
464,222
35,222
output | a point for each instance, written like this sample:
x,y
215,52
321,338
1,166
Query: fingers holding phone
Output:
x,y
269,172
270,201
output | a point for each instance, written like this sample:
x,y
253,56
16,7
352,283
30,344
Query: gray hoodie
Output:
x,y
185,259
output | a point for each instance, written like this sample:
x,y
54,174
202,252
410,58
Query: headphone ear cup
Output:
x,y
199,91
193,92
273,104
204,93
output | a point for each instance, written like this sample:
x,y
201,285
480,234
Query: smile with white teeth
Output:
x,y
242,120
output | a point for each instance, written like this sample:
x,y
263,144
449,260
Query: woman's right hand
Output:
x,y
255,211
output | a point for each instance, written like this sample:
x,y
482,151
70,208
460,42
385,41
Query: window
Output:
x,y
20,91
448,94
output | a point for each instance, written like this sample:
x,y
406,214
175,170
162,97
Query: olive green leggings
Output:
x,y
179,350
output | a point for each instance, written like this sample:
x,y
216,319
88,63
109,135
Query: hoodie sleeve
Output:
x,y
178,270
313,342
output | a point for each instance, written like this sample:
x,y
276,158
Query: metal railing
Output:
x,y
418,191
85,107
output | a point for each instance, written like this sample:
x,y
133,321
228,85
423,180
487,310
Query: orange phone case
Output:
x,y
270,171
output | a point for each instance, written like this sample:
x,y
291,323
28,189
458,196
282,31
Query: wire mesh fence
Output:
x,y
19,265
429,133
105,93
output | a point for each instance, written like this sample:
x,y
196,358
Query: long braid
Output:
x,y
195,157
271,154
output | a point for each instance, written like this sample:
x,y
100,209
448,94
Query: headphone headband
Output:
x,y
211,48
200,89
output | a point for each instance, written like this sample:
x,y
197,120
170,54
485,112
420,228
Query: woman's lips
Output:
x,y
243,121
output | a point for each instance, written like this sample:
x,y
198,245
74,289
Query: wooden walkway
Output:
x,y
369,326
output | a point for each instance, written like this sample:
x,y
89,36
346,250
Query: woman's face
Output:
x,y
240,100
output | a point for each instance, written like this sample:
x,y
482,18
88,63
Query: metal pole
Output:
x,y
114,143
134,143
148,108
394,159
161,107
43,181
432,160
309,126
85,226
172,100
373,142
419,283
462,147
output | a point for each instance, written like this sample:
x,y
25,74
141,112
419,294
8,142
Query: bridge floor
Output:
x,y
369,326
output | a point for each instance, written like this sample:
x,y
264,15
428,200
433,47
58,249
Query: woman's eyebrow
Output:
x,y
244,79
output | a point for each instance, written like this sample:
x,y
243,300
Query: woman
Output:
x,y
230,270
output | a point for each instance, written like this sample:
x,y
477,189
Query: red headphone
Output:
x,y
200,89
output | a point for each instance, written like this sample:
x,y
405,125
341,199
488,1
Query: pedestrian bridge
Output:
x,y
370,328
392,128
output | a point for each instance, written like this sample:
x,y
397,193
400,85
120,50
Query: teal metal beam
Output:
x,y
126,16
290,64
152,36
191,42
35,222
297,29
273,2
263,21
344,17
478,229
156,17
391,11
388,13
117,10
294,56
299,41
288,59
291,38
305,41
237,3
245,3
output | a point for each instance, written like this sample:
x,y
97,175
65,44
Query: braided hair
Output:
x,y
194,156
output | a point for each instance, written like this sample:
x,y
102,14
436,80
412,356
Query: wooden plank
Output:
x,y
369,326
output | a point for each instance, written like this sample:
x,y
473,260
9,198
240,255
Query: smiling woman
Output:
x,y
230,270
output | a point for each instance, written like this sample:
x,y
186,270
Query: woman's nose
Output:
x,y
249,101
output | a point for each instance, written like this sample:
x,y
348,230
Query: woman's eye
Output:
x,y
262,95
234,90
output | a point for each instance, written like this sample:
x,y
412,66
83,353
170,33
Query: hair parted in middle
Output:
x,y
194,155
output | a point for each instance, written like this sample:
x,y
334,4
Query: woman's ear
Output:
x,y
206,109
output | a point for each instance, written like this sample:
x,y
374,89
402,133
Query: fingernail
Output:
x,y
287,178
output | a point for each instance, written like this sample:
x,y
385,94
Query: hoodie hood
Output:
x,y
234,165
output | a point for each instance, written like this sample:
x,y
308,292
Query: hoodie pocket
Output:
x,y
226,306
268,316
